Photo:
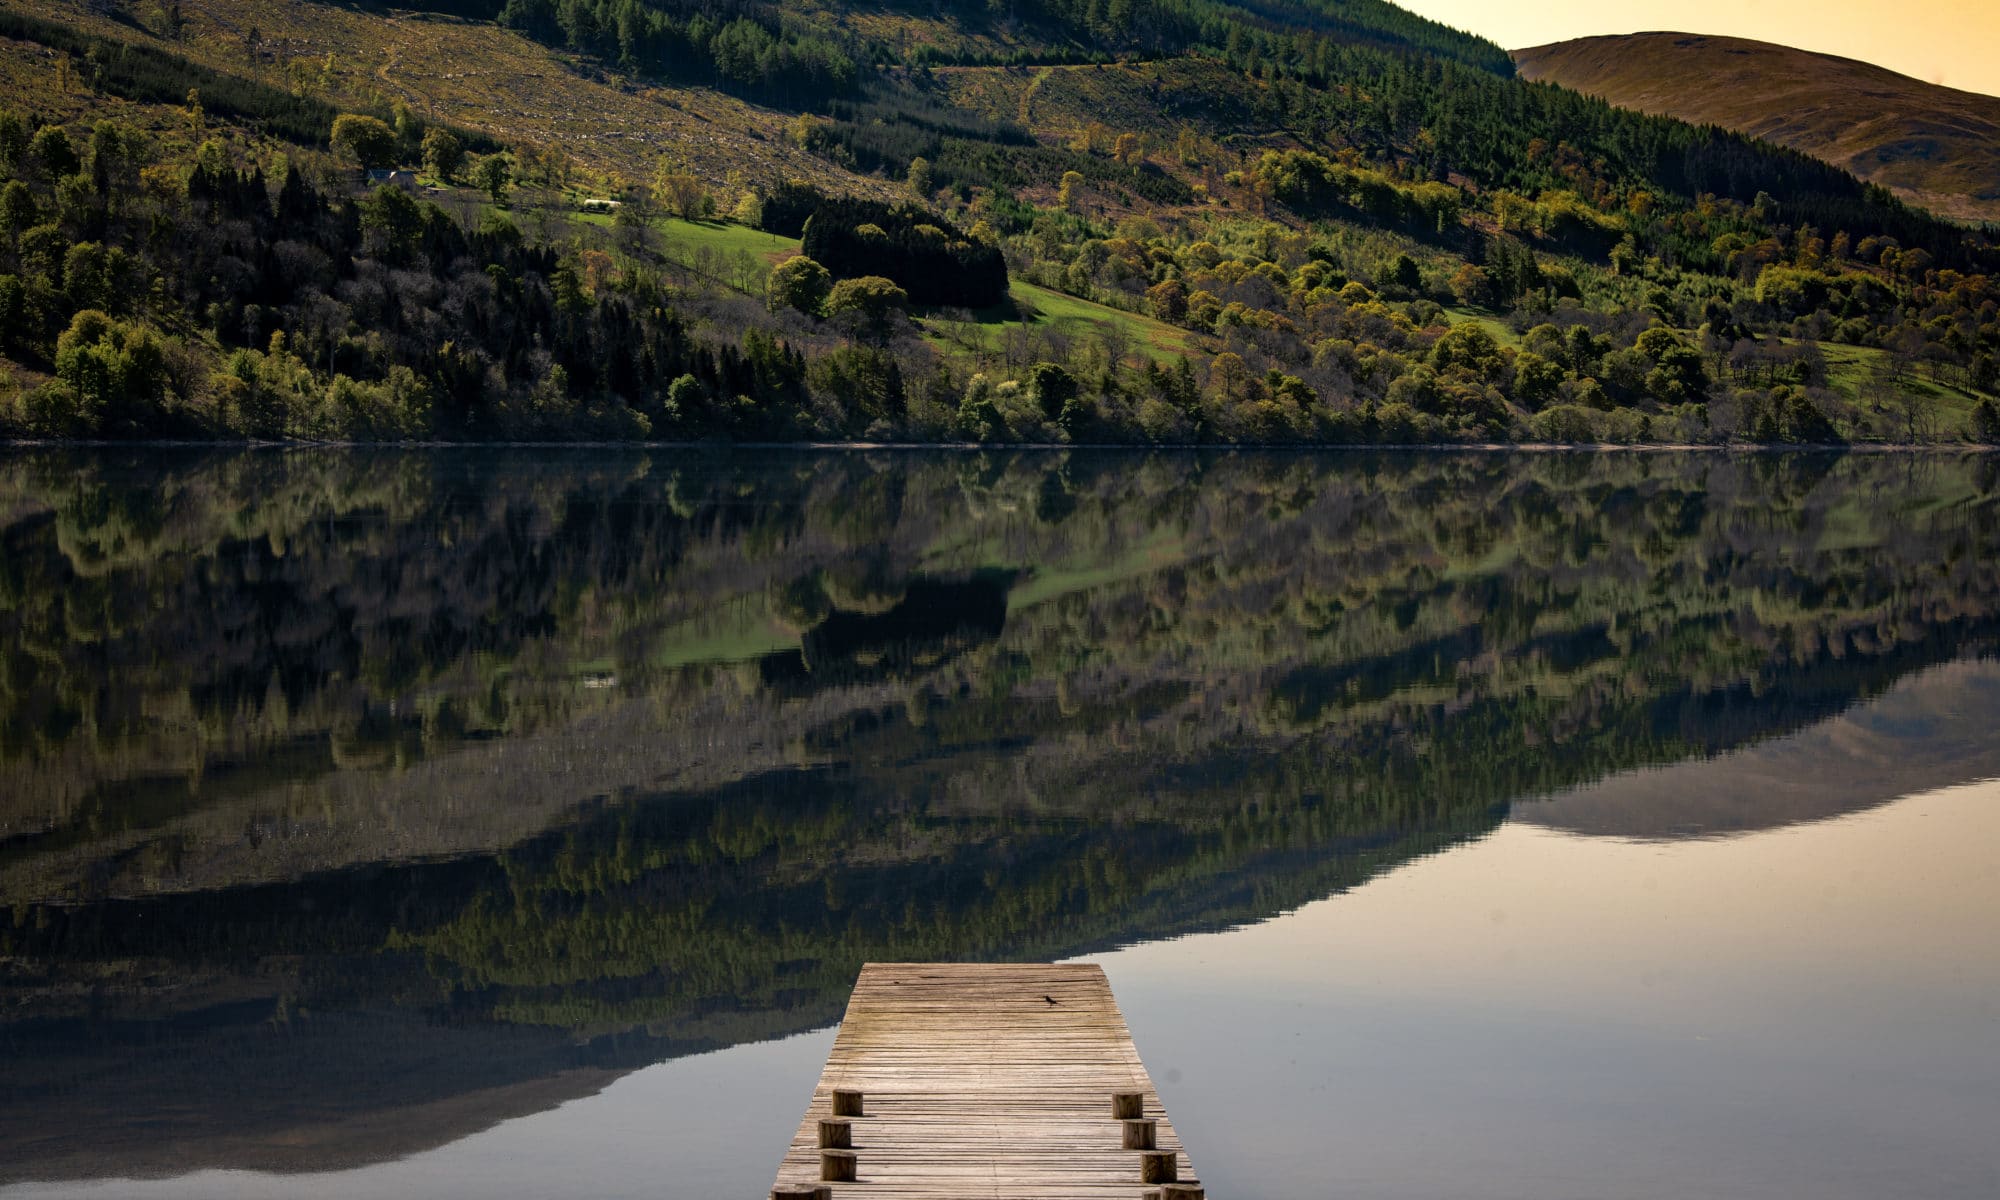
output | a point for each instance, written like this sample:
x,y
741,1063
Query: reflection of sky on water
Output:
x,y
1808,1012
1811,1011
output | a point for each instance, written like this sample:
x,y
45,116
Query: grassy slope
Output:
x,y
482,77
1040,306
1860,375
1933,145
493,80
1032,305
1060,104
1501,331
448,69
733,239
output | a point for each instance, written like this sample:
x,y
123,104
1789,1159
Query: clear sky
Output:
x,y
1953,42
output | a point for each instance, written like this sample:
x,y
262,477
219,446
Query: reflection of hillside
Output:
x,y
318,1093
265,664
598,762
933,621
1931,730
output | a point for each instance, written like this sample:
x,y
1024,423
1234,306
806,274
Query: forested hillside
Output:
x,y
1123,220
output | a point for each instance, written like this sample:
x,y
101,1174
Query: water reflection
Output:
x,y
1932,729
1804,1011
358,801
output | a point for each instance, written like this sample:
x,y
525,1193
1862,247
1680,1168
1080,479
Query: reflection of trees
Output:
x,y
697,738
925,623
204,630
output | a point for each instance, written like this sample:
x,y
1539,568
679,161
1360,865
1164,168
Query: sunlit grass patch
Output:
x,y
1487,321
1040,308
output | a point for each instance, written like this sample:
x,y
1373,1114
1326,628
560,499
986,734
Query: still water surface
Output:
x,y
501,825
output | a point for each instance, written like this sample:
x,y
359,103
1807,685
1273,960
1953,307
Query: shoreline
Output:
x,y
963,447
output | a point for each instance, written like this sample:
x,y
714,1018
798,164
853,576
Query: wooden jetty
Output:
x,y
956,1081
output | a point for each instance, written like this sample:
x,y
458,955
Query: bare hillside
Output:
x,y
1932,145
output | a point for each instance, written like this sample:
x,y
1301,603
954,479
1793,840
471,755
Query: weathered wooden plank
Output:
x,y
984,1081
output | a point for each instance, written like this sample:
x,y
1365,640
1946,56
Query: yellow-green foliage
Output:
x,y
1314,183
1792,290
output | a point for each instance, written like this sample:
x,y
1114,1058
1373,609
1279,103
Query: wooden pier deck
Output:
x,y
987,1081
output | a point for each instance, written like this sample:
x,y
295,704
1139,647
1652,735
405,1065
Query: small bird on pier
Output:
x,y
1051,999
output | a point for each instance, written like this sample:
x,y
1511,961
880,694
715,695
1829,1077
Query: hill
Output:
x,y
1934,146
1321,221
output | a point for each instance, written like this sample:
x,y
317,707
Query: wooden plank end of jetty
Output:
x,y
994,1081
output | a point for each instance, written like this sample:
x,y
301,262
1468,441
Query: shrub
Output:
x,y
1566,423
57,410
118,370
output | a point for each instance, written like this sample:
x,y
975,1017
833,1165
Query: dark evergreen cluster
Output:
x,y
736,43
788,206
921,251
1176,25
763,45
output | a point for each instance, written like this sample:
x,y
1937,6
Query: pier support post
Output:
x,y
1157,1166
802,1191
836,1134
1126,1106
838,1166
1141,1134
1183,1191
847,1103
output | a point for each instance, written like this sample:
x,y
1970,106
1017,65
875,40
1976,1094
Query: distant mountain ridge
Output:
x,y
1932,145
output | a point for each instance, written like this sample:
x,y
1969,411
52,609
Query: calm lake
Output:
x,y
512,824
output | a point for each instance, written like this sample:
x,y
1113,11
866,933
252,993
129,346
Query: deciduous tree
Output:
x,y
870,301
365,140
494,174
1054,388
798,283
444,155
1066,196
682,192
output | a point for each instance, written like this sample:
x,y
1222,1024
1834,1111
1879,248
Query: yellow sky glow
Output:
x,y
1952,42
